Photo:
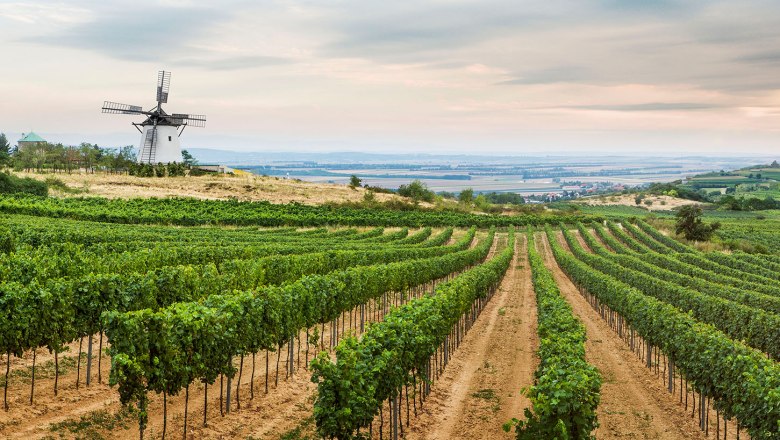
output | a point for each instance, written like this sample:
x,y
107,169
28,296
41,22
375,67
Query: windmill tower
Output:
x,y
160,131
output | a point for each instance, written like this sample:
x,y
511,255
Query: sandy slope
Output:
x,y
244,186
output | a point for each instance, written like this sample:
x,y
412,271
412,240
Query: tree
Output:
x,y
689,224
417,191
5,150
638,199
466,196
369,198
482,203
354,181
188,159
90,154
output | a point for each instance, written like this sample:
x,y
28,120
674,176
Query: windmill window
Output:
x,y
169,139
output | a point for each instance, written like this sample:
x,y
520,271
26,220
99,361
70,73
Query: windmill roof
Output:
x,y
31,137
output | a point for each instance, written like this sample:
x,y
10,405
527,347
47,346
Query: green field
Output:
x,y
374,304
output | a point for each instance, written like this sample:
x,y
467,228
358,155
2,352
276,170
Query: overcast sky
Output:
x,y
489,76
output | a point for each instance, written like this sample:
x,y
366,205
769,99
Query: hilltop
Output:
x,y
242,186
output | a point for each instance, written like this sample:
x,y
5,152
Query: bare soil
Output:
x,y
480,389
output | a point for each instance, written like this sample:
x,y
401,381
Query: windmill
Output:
x,y
160,131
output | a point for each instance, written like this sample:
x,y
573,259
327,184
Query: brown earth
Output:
x,y
480,388
634,403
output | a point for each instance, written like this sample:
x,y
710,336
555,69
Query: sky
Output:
x,y
491,76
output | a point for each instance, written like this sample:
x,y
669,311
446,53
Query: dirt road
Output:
x,y
480,389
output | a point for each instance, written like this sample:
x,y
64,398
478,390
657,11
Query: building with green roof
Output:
x,y
29,140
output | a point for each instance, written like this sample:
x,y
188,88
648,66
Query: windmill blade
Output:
x,y
177,118
121,109
190,120
163,86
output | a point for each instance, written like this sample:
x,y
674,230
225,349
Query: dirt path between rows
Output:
x,y
596,236
633,402
480,389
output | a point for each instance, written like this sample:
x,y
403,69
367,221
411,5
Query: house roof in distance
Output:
x,y
31,137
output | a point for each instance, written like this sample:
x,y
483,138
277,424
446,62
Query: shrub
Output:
x,y
417,191
10,184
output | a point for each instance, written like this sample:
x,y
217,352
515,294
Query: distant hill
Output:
x,y
244,158
207,155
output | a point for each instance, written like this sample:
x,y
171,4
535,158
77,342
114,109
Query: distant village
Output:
x,y
575,190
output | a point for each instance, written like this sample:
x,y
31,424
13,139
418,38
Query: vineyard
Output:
x,y
181,318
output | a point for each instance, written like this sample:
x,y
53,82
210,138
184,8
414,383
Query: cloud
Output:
x,y
551,75
233,63
401,32
649,107
374,69
138,34
162,34
772,57
31,13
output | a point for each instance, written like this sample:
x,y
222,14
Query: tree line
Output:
x,y
65,158
45,156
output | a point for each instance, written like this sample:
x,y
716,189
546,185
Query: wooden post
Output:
x,y
186,404
56,370
205,402
649,355
78,363
89,360
32,388
100,357
227,392
7,370
291,358
238,383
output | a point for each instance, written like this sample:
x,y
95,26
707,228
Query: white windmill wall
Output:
x,y
168,147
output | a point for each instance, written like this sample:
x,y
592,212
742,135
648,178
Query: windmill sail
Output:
x,y
119,108
163,86
190,120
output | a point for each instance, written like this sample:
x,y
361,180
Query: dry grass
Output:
x,y
243,186
659,203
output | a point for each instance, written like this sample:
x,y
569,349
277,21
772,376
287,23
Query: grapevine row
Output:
x,y
753,299
69,260
735,279
164,351
759,329
191,212
742,381
62,310
396,352
565,393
